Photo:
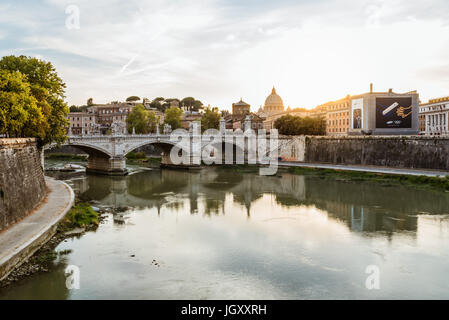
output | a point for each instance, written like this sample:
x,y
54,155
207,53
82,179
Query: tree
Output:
x,y
78,108
48,89
132,99
138,119
293,125
210,119
153,121
74,109
19,114
173,117
156,104
191,104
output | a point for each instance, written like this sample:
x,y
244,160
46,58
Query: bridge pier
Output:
x,y
114,166
167,163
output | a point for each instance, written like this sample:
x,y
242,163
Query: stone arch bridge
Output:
x,y
107,152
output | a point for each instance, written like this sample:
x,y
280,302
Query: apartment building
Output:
x,y
434,117
337,116
82,123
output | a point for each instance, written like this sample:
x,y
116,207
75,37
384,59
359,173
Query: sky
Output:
x,y
220,51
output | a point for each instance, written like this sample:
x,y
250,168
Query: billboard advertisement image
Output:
x,y
357,114
393,113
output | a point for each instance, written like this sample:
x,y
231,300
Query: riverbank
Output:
x,y
424,182
80,219
368,169
422,179
20,241
140,158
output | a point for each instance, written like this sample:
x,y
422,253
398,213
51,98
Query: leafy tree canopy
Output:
x,y
48,89
173,117
294,125
142,120
210,119
137,119
191,104
132,99
20,115
78,108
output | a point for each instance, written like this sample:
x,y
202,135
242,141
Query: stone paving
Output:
x,y
20,241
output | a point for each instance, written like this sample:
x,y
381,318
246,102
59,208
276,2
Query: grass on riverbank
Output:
x,y
435,183
80,216
65,156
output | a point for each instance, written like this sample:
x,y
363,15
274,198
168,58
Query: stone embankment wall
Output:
x,y
390,151
22,184
292,148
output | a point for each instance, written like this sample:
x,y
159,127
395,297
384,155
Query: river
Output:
x,y
229,234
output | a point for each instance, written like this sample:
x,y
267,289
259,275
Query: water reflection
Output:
x,y
224,234
364,207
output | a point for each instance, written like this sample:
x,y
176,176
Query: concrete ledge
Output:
x,y
24,238
8,142
372,169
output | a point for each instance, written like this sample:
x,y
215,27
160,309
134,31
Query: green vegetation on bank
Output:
x,y
81,215
141,158
435,183
66,156
136,156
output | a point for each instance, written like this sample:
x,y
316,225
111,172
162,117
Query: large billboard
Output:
x,y
393,113
357,113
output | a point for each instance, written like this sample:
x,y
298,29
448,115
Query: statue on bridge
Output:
x,y
118,128
167,129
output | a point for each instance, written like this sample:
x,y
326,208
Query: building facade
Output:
x,y
337,116
107,114
82,123
188,117
100,119
384,113
240,108
373,113
434,117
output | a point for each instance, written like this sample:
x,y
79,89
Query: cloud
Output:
x,y
219,51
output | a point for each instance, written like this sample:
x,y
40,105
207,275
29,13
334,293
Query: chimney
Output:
x,y
390,90
371,88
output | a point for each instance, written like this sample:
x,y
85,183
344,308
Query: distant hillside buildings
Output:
x,y
371,113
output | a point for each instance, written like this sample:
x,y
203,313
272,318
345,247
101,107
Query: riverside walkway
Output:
x,y
372,169
21,240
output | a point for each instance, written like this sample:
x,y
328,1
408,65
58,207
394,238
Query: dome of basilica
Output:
x,y
273,103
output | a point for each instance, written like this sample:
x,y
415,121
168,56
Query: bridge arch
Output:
x,y
87,148
92,150
163,145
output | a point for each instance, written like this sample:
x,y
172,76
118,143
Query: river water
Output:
x,y
226,234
